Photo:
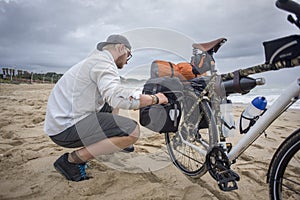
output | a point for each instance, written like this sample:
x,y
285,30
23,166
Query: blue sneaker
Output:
x,y
72,171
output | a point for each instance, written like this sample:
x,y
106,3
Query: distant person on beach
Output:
x,y
81,108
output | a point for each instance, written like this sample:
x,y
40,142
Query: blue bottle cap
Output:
x,y
260,103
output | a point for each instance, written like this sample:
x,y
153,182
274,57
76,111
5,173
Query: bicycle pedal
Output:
x,y
218,166
227,180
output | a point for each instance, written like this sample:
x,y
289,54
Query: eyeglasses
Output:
x,y
128,54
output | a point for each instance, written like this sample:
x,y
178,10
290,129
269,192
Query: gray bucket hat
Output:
x,y
114,39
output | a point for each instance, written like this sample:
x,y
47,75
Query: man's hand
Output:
x,y
162,99
147,100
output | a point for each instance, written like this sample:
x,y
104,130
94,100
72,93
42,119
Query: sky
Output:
x,y
52,35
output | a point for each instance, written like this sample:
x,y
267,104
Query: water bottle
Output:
x,y
228,123
252,113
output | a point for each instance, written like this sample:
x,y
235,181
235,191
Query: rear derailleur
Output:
x,y
219,168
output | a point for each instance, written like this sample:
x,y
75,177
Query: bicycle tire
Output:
x,y
283,177
187,159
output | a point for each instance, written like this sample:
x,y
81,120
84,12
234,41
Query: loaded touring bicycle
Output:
x,y
194,123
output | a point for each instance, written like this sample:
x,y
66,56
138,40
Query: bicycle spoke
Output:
x,y
290,180
290,188
291,185
187,156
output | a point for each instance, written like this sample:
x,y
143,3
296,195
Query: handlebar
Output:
x,y
263,68
290,6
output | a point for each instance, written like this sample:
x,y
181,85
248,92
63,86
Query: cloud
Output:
x,y
53,35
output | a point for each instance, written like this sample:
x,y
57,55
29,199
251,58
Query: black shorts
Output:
x,y
94,128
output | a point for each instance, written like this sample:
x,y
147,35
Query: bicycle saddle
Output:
x,y
213,45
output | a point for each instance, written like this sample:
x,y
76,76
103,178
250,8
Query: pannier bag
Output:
x,y
183,70
163,118
282,49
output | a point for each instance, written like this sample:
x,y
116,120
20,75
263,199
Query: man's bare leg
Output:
x,y
106,146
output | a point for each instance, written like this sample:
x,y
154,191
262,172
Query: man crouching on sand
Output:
x,y
79,108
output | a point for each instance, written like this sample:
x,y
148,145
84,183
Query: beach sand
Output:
x,y
27,156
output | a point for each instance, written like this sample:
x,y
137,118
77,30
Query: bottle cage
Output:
x,y
252,122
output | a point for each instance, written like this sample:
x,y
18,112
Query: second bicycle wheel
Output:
x,y
284,176
189,145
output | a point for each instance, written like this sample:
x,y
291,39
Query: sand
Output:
x,y
27,156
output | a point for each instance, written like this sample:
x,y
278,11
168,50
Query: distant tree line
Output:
x,y
20,76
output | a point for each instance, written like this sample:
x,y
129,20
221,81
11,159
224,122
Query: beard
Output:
x,y
120,61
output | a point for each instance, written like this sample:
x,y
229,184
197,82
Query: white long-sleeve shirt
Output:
x,y
84,89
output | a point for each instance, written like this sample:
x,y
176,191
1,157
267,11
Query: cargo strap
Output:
x,y
236,82
172,69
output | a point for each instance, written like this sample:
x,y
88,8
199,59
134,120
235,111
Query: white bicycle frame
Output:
x,y
287,98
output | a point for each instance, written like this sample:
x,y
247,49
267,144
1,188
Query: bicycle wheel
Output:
x,y
189,145
284,176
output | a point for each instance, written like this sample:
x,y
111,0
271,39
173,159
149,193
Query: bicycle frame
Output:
x,y
285,100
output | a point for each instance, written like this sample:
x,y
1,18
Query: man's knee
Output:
x,y
135,134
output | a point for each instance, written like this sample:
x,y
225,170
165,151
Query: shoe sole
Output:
x,y
61,171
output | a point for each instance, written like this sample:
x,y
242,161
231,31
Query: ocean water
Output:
x,y
271,93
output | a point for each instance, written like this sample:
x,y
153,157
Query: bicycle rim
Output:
x,y
285,172
189,145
